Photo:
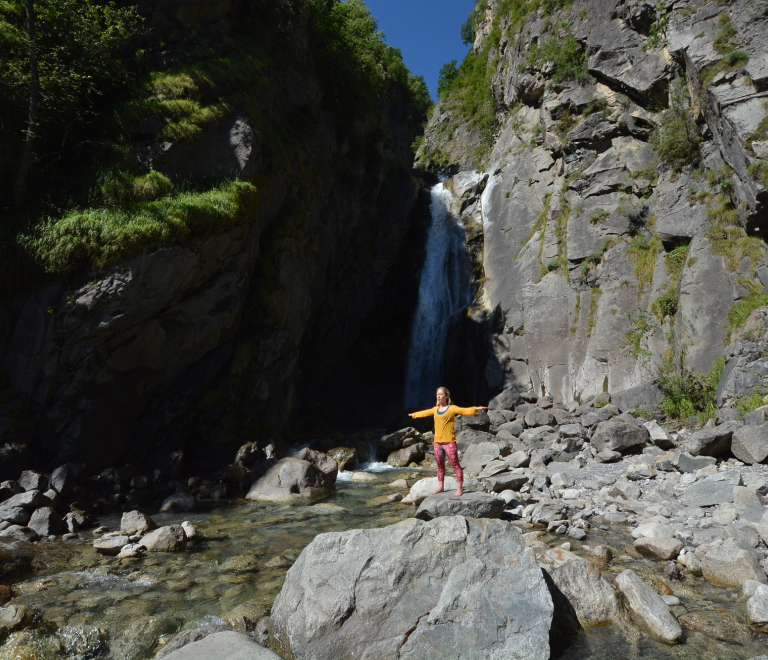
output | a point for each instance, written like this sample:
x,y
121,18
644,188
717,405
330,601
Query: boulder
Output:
x,y
423,488
618,435
362,477
653,530
404,457
110,545
750,443
179,503
468,437
711,442
649,607
170,538
230,645
190,530
136,521
45,521
32,499
658,548
625,489
640,471
15,617
448,588
757,609
658,435
730,562
512,428
31,480
514,480
479,455
289,480
469,505
62,480
15,515
539,417
716,489
20,533
394,441
518,459
188,636
132,551
346,457
507,400
323,462
687,464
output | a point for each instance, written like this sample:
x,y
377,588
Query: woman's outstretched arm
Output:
x,y
423,413
472,410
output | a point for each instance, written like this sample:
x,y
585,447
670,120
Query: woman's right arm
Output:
x,y
423,413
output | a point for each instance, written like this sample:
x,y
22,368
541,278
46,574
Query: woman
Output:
x,y
445,438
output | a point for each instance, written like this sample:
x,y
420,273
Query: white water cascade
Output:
x,y
444,292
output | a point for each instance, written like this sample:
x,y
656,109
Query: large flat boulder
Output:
x,y
423,488
717,489
289,480
449,588
711,442
470,505
730,562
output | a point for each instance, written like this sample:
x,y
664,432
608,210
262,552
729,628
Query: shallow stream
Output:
x,y
92,606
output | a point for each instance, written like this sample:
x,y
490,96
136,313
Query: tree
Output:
x,y
468,30
447,75
57,57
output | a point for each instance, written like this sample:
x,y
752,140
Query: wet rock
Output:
x,y
245,616
346,457
714,624
365,477
30,480
691,563
188,636
462,584
247,456
45,521
178,503
289,480
62,480
716,489
658,548
711,442
423,488
648,607
470,505
404,457
323,462
137,521
170,538
231,645
140,636
618,435
750,443
15,617
730,562
111,545
189,530
20,533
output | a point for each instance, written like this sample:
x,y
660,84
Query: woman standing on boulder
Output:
x,y
445,438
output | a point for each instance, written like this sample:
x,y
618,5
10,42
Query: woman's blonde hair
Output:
x,y
447,393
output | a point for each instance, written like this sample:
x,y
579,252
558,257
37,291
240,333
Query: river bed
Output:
x,y
91,606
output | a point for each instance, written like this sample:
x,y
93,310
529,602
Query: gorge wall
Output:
x,y
177,356
612,156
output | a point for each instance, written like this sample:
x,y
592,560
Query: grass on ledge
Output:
x,y
103,236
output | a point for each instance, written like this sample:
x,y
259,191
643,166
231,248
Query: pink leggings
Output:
x,y
441,449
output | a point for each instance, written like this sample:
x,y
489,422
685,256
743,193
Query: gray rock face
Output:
x,y
288,480
617,435
507,400
716,489
455,593
649,607
469,505
170,538
750,443
711,442
230,645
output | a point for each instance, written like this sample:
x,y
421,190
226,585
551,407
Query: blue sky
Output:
x,y
425,31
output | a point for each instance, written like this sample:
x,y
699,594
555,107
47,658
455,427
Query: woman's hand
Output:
x,y
410,415
481,408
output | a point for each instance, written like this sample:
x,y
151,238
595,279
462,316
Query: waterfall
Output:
x,y
444,292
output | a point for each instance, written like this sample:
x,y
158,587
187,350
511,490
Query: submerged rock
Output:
x,y
649,607
449,588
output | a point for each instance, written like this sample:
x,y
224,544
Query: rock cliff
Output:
x,y
186,352
613,156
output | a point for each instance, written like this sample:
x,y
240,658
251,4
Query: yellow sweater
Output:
x,y
444,432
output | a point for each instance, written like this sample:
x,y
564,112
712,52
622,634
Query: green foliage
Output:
x,y
665,306
657,34
734,244
566,55
725,38
107,235
759,171
448,74
736,58
760,134
640,326
739,313
468,30
643,255
675,260
676,140
686,394
749,402
78,52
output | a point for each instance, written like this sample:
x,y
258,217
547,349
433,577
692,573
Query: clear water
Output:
x,y
90,606
444,292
